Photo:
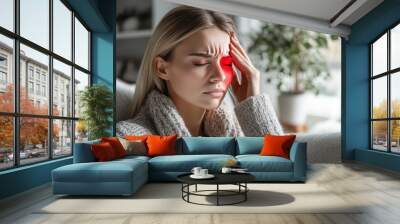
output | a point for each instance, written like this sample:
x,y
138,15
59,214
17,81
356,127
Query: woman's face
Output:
x,y
200,69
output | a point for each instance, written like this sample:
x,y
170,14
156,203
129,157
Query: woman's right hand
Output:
x,y
250,82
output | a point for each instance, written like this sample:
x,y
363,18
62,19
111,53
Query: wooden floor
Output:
x,y
379,189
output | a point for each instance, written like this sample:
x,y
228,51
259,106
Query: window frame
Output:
x,y
16,114
388,74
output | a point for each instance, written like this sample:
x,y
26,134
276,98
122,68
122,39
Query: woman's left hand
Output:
x,y
250,83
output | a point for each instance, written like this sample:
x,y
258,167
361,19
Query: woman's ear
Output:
x,y
161,67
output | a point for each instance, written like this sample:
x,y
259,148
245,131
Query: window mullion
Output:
x,y
50,81
389,76
16,69
73,83
371,144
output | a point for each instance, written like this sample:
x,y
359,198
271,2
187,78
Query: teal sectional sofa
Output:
x,y
125,176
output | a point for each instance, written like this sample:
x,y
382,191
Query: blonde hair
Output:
x,y
174,27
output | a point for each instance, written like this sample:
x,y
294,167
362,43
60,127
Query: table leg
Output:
x,y
245,193
217,194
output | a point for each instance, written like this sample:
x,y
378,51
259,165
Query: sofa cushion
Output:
x,y
257,163
249,145
206,145
185,163
120,170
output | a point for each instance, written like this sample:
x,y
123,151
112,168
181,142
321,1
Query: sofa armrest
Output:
x,y
83,152
298,155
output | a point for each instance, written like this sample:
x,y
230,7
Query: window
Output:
x,y
43,77
30,72
62,30
81,45
43,90
38,89
34,21
30,87
3,78
3,71
41,68
37,75
3,61
385,94
7,14
7,90
62,74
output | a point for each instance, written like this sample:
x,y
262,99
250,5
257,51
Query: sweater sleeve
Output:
x,y
135,126
257,116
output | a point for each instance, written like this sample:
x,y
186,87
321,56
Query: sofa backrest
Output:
x,y
249,145
206,145
83,152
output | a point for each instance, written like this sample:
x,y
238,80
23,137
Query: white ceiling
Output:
x,y
321,9
316,15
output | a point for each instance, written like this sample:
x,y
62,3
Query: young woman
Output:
x,y
184,76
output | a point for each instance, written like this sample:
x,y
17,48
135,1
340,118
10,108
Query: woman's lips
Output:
x,y
215,93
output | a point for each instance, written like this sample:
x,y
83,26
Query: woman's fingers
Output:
x,y
239,61
236,43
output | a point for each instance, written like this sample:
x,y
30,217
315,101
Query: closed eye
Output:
x,y
199,64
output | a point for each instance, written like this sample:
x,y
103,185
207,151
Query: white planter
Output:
x,y
293,108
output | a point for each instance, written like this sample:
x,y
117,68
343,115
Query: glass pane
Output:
x,y
379,97
379,55
62,138
395,94
395,136
34,72
395,47
7,14
6,142
379,135
62,89
35,21
6,74
81,45
33,139
81,131
81,81
62,29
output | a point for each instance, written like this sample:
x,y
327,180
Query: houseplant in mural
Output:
x,y
96,102
293,60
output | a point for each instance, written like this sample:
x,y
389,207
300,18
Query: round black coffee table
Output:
x,y
238,179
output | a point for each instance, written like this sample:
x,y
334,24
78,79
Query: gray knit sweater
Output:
x,y
254,116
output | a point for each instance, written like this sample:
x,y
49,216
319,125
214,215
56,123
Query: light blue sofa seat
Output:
x,y
257,163
167,168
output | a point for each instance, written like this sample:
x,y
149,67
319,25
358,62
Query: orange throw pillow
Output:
x,y
277,145
116,144
161,145
136,137
103,151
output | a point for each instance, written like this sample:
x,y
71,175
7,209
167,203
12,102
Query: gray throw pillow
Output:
x,y
134,147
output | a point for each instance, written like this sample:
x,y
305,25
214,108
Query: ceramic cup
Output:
x,y
203,172
196,170
226,170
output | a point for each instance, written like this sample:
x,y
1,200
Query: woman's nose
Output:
x,y
218,74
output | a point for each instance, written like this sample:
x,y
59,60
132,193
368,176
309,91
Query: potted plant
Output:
x,y
96,102
293,60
